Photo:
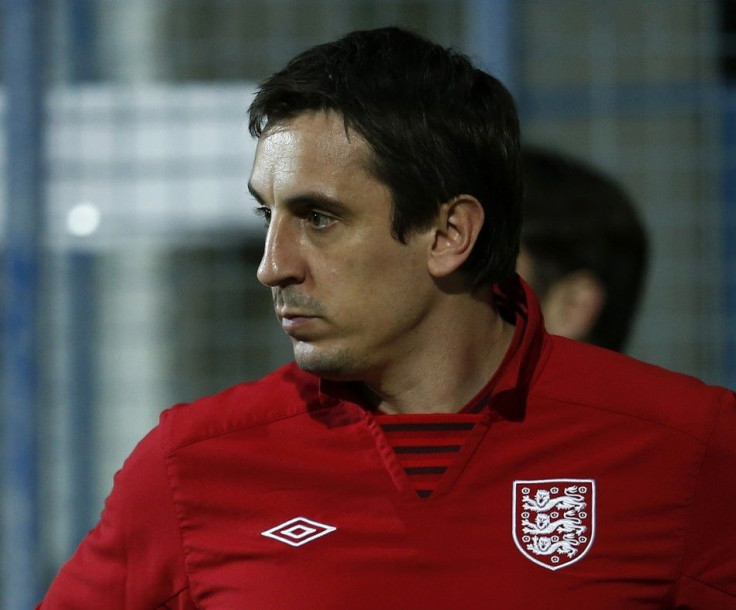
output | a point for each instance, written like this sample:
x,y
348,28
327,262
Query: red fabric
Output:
x,y
184,524
133,558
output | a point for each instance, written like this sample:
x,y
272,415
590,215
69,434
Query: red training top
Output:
x,y
590,480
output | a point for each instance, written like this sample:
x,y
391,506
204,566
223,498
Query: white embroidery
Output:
x,y
554,520
298,531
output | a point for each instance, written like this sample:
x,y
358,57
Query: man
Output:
x,y
583,249
432,447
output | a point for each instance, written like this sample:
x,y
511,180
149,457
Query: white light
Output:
x,y
83,219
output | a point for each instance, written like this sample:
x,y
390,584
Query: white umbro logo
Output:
x,y
298,531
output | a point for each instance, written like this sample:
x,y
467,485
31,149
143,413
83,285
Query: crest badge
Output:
x,y
554,520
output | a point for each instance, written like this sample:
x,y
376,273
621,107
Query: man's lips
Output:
x,y
290,314
294,320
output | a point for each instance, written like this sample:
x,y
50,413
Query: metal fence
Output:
x,y
635,88
147,292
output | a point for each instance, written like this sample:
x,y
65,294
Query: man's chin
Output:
x,y
331,364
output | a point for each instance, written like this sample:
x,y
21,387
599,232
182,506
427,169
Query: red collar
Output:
x,y
509,387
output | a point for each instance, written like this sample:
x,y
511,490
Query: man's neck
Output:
x,y
450,370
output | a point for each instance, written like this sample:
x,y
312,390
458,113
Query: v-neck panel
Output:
x,y
447,481
395,469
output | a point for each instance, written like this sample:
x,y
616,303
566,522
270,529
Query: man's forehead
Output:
x,y
310,152
315,137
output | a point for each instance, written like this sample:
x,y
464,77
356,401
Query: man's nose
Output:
x,y
281,263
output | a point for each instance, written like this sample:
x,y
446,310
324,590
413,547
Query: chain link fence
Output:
x,y
149,294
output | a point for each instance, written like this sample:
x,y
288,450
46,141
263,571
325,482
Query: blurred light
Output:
x,y
83,219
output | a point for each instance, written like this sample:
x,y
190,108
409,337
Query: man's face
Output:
x,y
351,297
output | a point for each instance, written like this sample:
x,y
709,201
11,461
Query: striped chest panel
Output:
x,y
427,445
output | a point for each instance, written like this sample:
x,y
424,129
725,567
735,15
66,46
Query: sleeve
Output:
x,y
708,579
133,558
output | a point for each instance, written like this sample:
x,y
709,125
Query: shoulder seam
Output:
x,y
627,415
688,522
176,515
709,586
174,596
252,424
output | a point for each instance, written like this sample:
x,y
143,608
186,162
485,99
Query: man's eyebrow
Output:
x,y
306,200
317,200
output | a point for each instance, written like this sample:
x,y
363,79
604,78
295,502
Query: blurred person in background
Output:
x,y
583,249
432,446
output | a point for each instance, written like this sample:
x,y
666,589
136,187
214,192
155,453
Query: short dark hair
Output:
x,y
576,218
437,126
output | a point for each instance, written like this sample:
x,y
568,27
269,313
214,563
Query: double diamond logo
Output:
x,y
298,531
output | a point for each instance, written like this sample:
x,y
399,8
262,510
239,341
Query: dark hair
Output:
x,y
576,218
437,126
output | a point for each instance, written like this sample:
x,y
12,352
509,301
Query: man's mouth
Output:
x,y
292,321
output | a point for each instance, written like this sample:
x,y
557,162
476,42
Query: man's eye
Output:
x,y
319,220
264,213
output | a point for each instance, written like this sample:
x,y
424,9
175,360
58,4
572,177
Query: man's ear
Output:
x,y
572,305
455,232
